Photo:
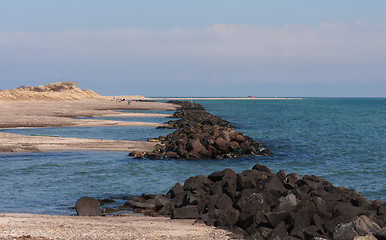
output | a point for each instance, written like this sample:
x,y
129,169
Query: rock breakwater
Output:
x,y
201,135
264,205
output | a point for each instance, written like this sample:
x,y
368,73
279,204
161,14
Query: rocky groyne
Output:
x,y
259,204
201,135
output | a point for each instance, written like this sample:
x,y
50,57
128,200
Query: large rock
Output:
x,y
363,225
88,206
187,212
265,205
287,204
142,205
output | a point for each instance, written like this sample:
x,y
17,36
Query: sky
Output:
x,y
297,48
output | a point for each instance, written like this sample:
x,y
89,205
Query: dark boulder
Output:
x,y
171,155
198,185
251,202
187,212
287,204
290,180
141,205
218,176
360,226
279,232
274,187
88,206
176,189
239,138
161,201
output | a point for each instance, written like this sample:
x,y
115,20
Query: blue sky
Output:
x,y
197,48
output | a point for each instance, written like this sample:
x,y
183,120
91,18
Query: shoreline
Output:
x,y
74,113
16,143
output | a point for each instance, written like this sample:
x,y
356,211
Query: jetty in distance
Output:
x,y
223,98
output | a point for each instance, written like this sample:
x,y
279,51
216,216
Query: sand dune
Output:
x,y
58,91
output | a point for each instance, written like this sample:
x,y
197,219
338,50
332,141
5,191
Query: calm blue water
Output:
x,y
341,140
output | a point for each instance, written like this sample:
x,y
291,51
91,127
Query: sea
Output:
x,y
341,140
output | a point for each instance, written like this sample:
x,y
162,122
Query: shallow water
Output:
x,y
127,133
340,140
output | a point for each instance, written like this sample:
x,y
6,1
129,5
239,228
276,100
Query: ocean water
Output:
x,y
341,140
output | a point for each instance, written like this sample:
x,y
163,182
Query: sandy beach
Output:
x,y
30,226
75,113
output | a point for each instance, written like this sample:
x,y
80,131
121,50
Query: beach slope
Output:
x,y
30,226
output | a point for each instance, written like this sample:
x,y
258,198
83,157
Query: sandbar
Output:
x,y
74,113
21,143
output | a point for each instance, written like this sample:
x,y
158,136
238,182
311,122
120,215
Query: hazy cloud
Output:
x,y
331,51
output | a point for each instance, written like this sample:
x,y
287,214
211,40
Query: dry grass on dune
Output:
x,y
59,91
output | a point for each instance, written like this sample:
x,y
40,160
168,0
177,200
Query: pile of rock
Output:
x,y
265,205
190,112
201,135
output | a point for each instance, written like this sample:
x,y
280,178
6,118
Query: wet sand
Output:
x,y
21,143
17,114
